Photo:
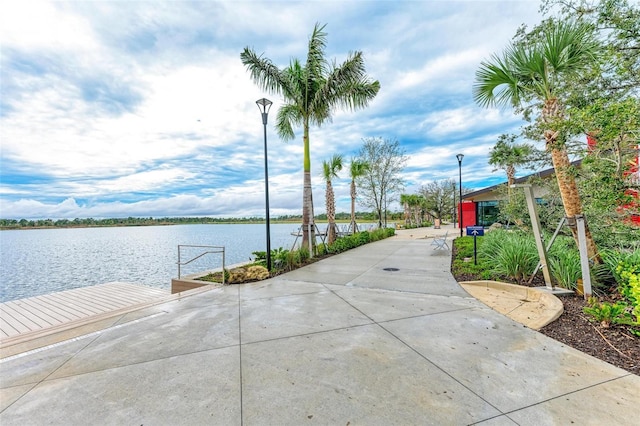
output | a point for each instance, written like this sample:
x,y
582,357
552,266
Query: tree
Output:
x,y
357,168
311,92
438,196
618,24
604,106
404,200
381,182
417,204
506,155
330,170
529,76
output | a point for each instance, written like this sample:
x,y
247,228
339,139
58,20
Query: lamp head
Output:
x,y
264,105
460,157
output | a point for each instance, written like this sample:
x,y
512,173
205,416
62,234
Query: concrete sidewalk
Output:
x,y
380,335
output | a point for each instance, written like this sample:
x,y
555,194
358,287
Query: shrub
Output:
x,y
360,238
608,313
303,254
464,249
279,258
564,263
510,253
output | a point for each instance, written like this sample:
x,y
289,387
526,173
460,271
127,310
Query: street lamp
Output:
x,y
264,105
460,157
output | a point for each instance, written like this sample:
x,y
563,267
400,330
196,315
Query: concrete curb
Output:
x,y
529,306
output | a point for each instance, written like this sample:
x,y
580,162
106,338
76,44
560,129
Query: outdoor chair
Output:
x,y
440,242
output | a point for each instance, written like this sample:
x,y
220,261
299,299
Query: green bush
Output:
x,y
464,249
511,254
565,268
360,238
564,262
609,313
279,258
303,254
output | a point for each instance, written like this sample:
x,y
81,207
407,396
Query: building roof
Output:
x,y
541,174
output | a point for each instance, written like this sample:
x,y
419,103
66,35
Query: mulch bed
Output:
x,y
615,344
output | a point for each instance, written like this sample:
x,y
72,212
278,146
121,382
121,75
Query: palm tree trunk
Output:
x,y
566,181
331,214
353,225
308,225
407,220
511,178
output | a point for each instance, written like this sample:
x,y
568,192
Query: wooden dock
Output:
x,y
33,316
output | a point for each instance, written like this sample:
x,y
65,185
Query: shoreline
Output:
x,y
129,225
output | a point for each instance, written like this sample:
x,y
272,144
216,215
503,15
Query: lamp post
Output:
x,y
460,157
264,105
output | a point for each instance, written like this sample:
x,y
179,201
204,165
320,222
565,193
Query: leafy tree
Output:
x,y
530,77
381,181
357,168
311,92
330,170
438,196
617,22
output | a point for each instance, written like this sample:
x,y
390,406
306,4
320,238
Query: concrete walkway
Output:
x,y
380,335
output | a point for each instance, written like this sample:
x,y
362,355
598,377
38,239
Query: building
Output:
x,y
481,207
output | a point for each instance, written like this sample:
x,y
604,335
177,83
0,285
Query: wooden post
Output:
x,y
535,224
584,256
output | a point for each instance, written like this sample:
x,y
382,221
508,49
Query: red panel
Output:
x,y
469,213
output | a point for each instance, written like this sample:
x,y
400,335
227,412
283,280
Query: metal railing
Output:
x,y
214,250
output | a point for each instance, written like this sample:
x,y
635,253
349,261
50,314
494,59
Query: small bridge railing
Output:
x,y
210,250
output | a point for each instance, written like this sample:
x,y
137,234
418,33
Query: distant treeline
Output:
x,y
151,221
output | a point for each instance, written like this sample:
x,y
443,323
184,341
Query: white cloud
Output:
x,y
140,101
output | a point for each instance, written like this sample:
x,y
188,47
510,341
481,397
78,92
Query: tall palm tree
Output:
x,y
330,170
311,92
357,169
506,154
404,200
534,73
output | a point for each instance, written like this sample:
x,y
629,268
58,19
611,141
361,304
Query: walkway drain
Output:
x,y
390,269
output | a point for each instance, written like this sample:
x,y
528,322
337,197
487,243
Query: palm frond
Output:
x,y
288,116
357,168
263,72
347,86
316,63
496,83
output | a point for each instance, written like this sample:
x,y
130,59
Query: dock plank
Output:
x,y
55,315
29,322
41,312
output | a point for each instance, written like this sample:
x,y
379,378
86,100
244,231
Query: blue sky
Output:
x,y
116,109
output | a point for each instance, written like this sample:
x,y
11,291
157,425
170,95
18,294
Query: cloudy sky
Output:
x,y
143,108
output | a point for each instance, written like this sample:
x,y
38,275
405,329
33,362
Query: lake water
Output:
x,y
42,261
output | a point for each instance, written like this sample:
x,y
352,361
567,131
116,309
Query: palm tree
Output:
x,y
535,72
416,205
330,170
311,92
506,154
404,200
357,169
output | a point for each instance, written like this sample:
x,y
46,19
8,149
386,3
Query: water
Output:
x,y
42,261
